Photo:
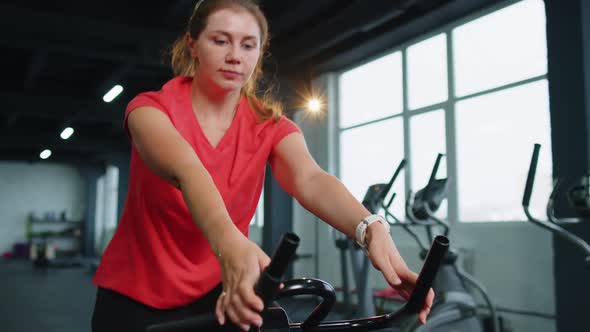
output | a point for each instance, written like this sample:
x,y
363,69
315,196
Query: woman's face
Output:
x,y
227,49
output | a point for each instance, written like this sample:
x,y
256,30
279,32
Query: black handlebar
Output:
x,y
278,266
266,287
408,312
530,180
270,279
434,259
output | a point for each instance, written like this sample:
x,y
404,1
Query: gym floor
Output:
x,y
55,300
62,299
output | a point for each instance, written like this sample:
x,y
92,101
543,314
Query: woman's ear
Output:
x,y
192,45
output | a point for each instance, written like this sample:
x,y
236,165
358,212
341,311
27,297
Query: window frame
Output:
x,y
448,107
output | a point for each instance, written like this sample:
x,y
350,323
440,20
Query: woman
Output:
x,y
199,150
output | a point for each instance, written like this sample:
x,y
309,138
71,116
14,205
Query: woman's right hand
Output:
x,y
241,262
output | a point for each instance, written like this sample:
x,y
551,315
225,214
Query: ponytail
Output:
x,y
181,61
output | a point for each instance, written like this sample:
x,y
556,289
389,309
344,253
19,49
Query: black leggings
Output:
x,y
115,312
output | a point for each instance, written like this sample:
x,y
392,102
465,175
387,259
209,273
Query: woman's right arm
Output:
x,y
168,155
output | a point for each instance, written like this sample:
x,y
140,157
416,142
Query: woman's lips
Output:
x,y
230,75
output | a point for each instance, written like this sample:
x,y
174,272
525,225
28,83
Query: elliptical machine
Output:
x,y
455,308
577,198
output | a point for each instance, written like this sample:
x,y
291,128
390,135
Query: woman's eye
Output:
x,y
220,41
249,46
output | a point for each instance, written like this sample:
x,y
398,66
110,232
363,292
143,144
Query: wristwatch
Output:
x,y
361,229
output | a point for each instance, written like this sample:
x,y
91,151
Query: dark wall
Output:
x,y
568,42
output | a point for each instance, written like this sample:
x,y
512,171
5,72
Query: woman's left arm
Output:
x,y
317,191
326,197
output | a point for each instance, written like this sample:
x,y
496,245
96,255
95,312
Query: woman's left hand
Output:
x,y
386,258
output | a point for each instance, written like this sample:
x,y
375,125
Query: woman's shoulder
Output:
x,y
169,93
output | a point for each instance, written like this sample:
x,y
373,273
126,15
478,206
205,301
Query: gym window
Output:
x,y
258,218
475,90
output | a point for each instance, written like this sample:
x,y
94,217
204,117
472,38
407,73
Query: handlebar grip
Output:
x,y
435,168
390,200
530,180
270,279
436,254
387,188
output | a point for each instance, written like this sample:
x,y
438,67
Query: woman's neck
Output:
x,y
209,102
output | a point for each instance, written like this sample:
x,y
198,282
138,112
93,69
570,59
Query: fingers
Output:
x,y
427,306
242,309
405,293
386,258
263,260
240,272
249,298
405,288
242,305
423,315
241,314
384,265
234,316
219,309
430,298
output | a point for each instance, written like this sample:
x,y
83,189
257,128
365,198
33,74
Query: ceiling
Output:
x,y
61,57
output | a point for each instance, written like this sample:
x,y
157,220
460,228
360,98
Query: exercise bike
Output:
x,y
455,308
276,319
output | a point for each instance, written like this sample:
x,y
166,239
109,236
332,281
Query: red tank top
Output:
x,y
157,255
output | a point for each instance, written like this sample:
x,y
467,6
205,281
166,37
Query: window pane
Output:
x,y
369,155
427,140
427,72
495,137
372,91
258,218
506,46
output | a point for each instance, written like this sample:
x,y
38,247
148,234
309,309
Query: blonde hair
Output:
x,y
265,106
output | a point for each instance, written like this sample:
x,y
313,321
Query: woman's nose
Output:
x,y
233,56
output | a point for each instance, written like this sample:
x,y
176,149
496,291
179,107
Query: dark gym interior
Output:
x,y
61,58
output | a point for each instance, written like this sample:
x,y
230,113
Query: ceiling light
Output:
x,y
45,154
67,133
113,93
